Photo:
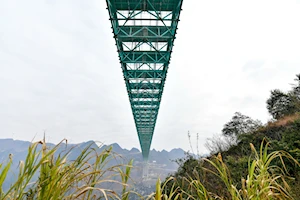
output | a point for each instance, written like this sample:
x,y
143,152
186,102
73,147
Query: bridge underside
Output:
x,y
144,31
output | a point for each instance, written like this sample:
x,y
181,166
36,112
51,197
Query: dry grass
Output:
x,y
285,120
264,180
82,179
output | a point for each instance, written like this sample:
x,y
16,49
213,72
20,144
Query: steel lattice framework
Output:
x,y
144,31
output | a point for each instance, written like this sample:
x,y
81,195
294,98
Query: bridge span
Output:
x,y
144,31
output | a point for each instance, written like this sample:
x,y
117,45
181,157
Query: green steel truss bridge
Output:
x,y
144,31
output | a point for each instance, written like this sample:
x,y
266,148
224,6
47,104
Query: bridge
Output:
x,y
144,31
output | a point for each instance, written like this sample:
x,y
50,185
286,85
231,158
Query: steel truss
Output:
x,y
144,31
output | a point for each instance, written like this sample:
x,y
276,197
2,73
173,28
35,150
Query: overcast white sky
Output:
x,y
59,70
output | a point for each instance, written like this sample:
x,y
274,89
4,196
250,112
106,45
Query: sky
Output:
x,y
60,74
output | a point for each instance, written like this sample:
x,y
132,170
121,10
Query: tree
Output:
x,y
219,143
296,87
240,124
280,104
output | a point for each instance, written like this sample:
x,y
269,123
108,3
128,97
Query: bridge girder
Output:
x,y
144,31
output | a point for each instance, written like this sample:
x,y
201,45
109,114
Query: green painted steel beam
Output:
x,y
157,5
144,34
145,109
145,85
144,31
144,57
145,95
145,74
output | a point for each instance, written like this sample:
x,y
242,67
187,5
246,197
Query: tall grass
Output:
x,y
265,180
85,177
61,178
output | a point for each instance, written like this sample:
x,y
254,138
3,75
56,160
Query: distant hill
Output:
x,y
161,163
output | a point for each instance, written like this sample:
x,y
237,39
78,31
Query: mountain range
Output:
x,y
160,163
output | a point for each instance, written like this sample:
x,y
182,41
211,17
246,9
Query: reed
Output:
x,y
85,177
61,178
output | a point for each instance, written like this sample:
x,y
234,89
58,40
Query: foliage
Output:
x,y
263,179
59,178
85,176
281,104
220,143
296,87
266,173
232,132
240,124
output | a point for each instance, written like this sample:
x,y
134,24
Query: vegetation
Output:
x,y
84,178
281,104
235,170
46,176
